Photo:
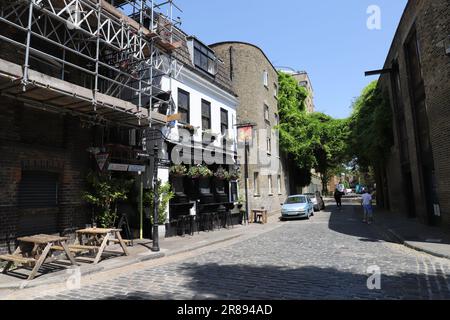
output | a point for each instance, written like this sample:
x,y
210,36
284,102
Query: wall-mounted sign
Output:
x,y
101,160
118,167
132,168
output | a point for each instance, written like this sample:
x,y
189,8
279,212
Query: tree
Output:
x,y
371,127
371,133
312,140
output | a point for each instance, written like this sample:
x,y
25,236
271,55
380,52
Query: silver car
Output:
x,y
317,201
299,206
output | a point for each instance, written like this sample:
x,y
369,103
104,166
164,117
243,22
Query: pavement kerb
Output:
x,y
409,245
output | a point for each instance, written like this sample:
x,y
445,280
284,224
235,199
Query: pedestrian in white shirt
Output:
x,y
366,202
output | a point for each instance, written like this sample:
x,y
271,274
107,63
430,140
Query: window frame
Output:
x,y
266,79
207,104
227,124
187,109
202,55
270,185
256,186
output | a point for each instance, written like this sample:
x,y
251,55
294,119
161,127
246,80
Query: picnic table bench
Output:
x,y
35,250
96,239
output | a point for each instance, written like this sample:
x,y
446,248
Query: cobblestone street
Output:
x,y
326,257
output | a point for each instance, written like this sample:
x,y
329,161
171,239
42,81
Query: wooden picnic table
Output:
x,y
35,250
97,239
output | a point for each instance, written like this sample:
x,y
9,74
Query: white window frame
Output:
x,y
279,184
256,189
270,185
266,78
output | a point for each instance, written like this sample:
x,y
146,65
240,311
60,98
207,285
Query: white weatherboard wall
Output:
x,y
199,88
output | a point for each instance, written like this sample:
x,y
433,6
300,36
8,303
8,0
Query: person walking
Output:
x,y
338,198
366,202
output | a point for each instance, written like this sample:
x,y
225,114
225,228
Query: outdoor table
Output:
x,y
97,239
256,213
40,246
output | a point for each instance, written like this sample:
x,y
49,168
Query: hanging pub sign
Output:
x,y
101,160
245,134
118,167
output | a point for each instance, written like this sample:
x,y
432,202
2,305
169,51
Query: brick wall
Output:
x,y
64,153
246,64
431,20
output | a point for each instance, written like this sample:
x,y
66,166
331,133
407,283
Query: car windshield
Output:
x,y
292,200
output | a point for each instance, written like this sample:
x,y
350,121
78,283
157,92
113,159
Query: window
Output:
x,y
266,78
223,121
270,185
279,184
38,189
183,105
266,113
256,183
269,143
204,58
277,119
275,90
206,115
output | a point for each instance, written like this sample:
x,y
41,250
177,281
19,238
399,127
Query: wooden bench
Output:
x,y
82,247
17,259
74,250
117,241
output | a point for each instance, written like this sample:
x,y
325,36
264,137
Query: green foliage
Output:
x,y
104,194
165,195
313,140
371,127
178,170
200,171
222,174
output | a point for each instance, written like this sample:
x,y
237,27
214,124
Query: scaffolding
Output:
x,y
100,59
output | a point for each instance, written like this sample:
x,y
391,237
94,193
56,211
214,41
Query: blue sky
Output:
x,y
327,38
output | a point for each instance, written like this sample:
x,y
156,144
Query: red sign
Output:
x,y
245,134
101,160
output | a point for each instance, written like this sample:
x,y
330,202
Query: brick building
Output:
x,y
417,77
66,98
255,81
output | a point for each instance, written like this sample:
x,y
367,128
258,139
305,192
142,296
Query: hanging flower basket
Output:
x,y
222,174
178,170
200,171
235,174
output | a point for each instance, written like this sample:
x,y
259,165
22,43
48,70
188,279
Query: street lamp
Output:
x,y
245,135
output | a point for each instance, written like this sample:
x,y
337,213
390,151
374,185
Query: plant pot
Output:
x,y
178,184
161,231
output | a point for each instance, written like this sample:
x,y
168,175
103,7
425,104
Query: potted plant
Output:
x,y
199,171
178,170
165,195
222,174
105,193
235,174
240,203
